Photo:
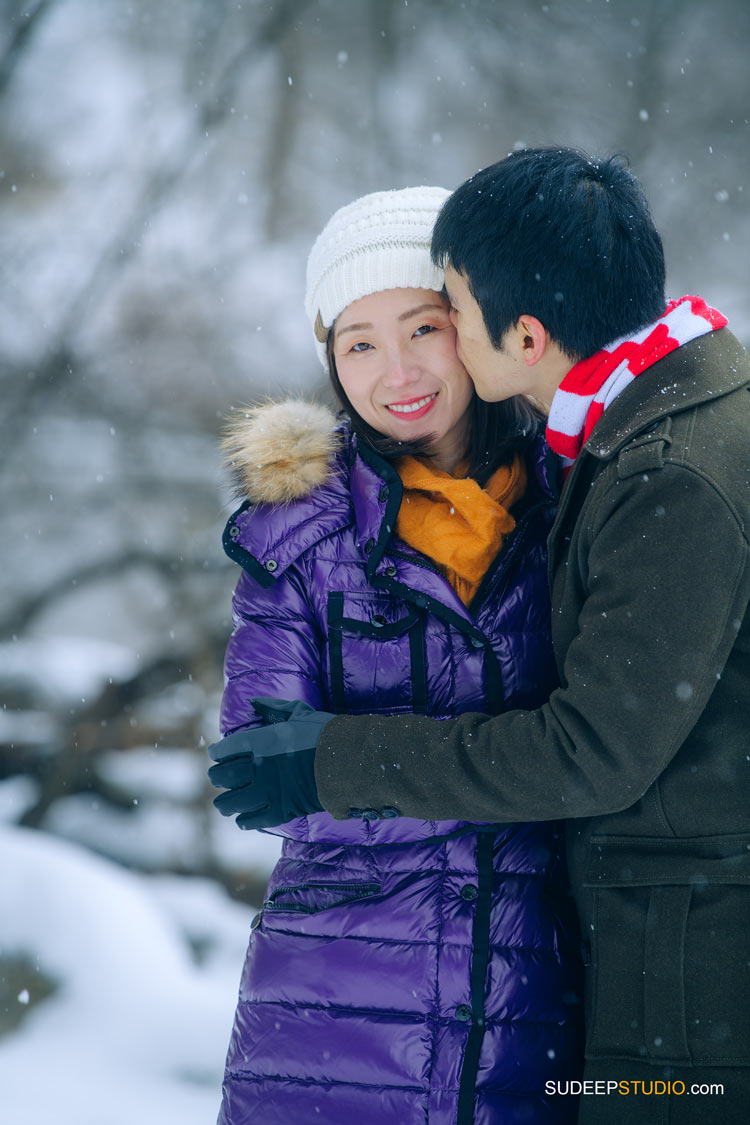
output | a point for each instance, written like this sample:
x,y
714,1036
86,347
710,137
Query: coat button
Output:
x,y
370,814
369,546
469,892
389,812
391,571
463,1012
477,643
271,565
384,493
378,620
234,532
257,919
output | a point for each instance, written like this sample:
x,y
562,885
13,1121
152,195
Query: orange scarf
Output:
x,y
454,522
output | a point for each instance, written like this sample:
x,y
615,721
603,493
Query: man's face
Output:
x,y
496,373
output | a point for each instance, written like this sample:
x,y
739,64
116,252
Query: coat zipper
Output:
x,y
416,559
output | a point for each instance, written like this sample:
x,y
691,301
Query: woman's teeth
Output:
x,y
410,407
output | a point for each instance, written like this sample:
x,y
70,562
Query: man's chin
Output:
x,y
487,392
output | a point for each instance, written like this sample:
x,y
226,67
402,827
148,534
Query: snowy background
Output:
x,y
164,168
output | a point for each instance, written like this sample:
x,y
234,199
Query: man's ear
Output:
x,y
532,337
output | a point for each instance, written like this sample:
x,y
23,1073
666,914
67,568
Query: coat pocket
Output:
x,y
377,652
669,967
316,896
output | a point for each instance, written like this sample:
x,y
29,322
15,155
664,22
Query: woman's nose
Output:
x,y
400,370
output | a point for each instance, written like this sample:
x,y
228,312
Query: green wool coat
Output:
x,y
645,747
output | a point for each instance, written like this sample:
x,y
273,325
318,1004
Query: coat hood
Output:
x,y
281,451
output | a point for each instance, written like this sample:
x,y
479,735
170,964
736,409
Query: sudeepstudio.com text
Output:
x,y
626,1087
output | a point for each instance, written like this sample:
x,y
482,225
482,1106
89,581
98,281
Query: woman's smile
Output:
x,y
413,408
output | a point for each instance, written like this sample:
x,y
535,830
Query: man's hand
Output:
x,y
268,772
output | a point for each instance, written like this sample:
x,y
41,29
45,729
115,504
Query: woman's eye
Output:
x,y
360,347
425,328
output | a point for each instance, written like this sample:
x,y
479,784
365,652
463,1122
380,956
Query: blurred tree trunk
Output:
x,y
282,131
385,154
24,22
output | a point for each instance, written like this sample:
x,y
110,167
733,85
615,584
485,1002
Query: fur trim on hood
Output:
x,y
281,451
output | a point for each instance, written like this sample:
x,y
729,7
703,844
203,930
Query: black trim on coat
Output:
x,y
480,940
506,556
493,683
416,597
497,573
239,555
418,663
412,623
335,645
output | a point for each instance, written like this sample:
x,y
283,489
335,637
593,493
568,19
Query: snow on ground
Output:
x,y
162,829
66,667
17,794
137,1028
156,834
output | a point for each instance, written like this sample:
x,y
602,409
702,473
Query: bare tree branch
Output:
x,y
24,26
167,565
59,362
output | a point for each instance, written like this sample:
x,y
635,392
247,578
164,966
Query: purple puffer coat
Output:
x,y
400,970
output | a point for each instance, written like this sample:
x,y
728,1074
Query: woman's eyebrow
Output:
x,y
363,326
421,309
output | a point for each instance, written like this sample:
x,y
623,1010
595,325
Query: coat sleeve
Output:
x,y
275,649
663,582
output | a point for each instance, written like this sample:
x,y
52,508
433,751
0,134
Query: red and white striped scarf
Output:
x,y
593,384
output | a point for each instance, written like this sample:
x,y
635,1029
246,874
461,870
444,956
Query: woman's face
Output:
x,y
396,359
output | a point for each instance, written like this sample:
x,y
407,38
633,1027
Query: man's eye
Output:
x,y
424,329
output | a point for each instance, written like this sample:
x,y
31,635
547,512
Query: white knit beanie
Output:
x,y
380,241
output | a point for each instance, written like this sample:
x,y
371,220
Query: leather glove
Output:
x,y
268,772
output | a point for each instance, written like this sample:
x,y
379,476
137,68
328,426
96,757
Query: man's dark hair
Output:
x,y
558,235
497,430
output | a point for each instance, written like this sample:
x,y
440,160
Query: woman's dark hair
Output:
x,y
497,430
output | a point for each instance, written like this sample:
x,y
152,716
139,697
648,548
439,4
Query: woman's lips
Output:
x,y
417,408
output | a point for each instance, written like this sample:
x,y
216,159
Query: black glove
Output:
x,y
268,771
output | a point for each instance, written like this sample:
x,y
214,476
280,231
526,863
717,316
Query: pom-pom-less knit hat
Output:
x,y
380,241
